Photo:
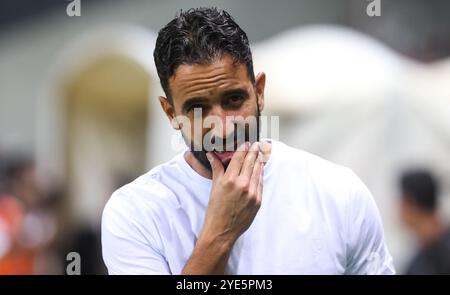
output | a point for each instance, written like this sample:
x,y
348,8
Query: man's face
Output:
x,y
411,214
407,212
216,106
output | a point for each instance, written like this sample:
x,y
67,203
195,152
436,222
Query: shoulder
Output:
x,y
336,187
144,192
324,174
141,203
134,222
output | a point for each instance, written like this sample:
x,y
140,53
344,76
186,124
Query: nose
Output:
x,y
218,116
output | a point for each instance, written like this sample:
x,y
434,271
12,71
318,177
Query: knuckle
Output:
x,y
229,182
252,193
244,186
252,196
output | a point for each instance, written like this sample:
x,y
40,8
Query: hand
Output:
x,y
236,194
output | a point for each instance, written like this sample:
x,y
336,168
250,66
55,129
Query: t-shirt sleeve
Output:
x,y
130,248
367,250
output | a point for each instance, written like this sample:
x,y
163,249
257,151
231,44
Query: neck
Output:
x,y
266,150
196,165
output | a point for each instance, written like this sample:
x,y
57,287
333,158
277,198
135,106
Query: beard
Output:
x,y
200,155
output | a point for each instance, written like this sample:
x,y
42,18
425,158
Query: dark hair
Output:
x,y
12,168
420,186
199,36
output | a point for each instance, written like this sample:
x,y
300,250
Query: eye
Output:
x,y
235,100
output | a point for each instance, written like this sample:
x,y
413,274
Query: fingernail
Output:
x,y
209,157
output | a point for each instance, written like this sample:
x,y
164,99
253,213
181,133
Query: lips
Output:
x,y
224,156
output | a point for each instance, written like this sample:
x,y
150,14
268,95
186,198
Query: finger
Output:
x,y
216,165
234,168
265,148
261,183
250,162
256,174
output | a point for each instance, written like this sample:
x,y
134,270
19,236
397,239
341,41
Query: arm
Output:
x,y
235,199
126,251
210,256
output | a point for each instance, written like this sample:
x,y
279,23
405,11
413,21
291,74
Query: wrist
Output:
x,y
210,255
219,243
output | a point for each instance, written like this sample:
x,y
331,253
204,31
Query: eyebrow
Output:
x,y
201,99
192,101
240,91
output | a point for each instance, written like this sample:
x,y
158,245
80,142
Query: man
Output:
x,y
265,208
419,212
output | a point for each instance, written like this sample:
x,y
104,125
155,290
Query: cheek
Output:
x,y
196,133
248,108
406,214
403,214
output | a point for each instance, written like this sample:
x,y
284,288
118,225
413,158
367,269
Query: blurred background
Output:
x,y
79,115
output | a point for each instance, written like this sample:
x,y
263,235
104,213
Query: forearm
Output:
x,y
209,257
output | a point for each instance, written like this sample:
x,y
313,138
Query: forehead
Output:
x,y
208,79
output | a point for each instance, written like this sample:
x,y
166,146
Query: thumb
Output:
x,y
216,165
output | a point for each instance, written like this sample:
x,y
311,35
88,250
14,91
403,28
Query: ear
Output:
x,y
260,83
169,111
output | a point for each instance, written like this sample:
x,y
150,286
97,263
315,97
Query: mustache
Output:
x,y
220,144
230,142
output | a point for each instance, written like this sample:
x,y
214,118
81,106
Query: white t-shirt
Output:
x,y
315,218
